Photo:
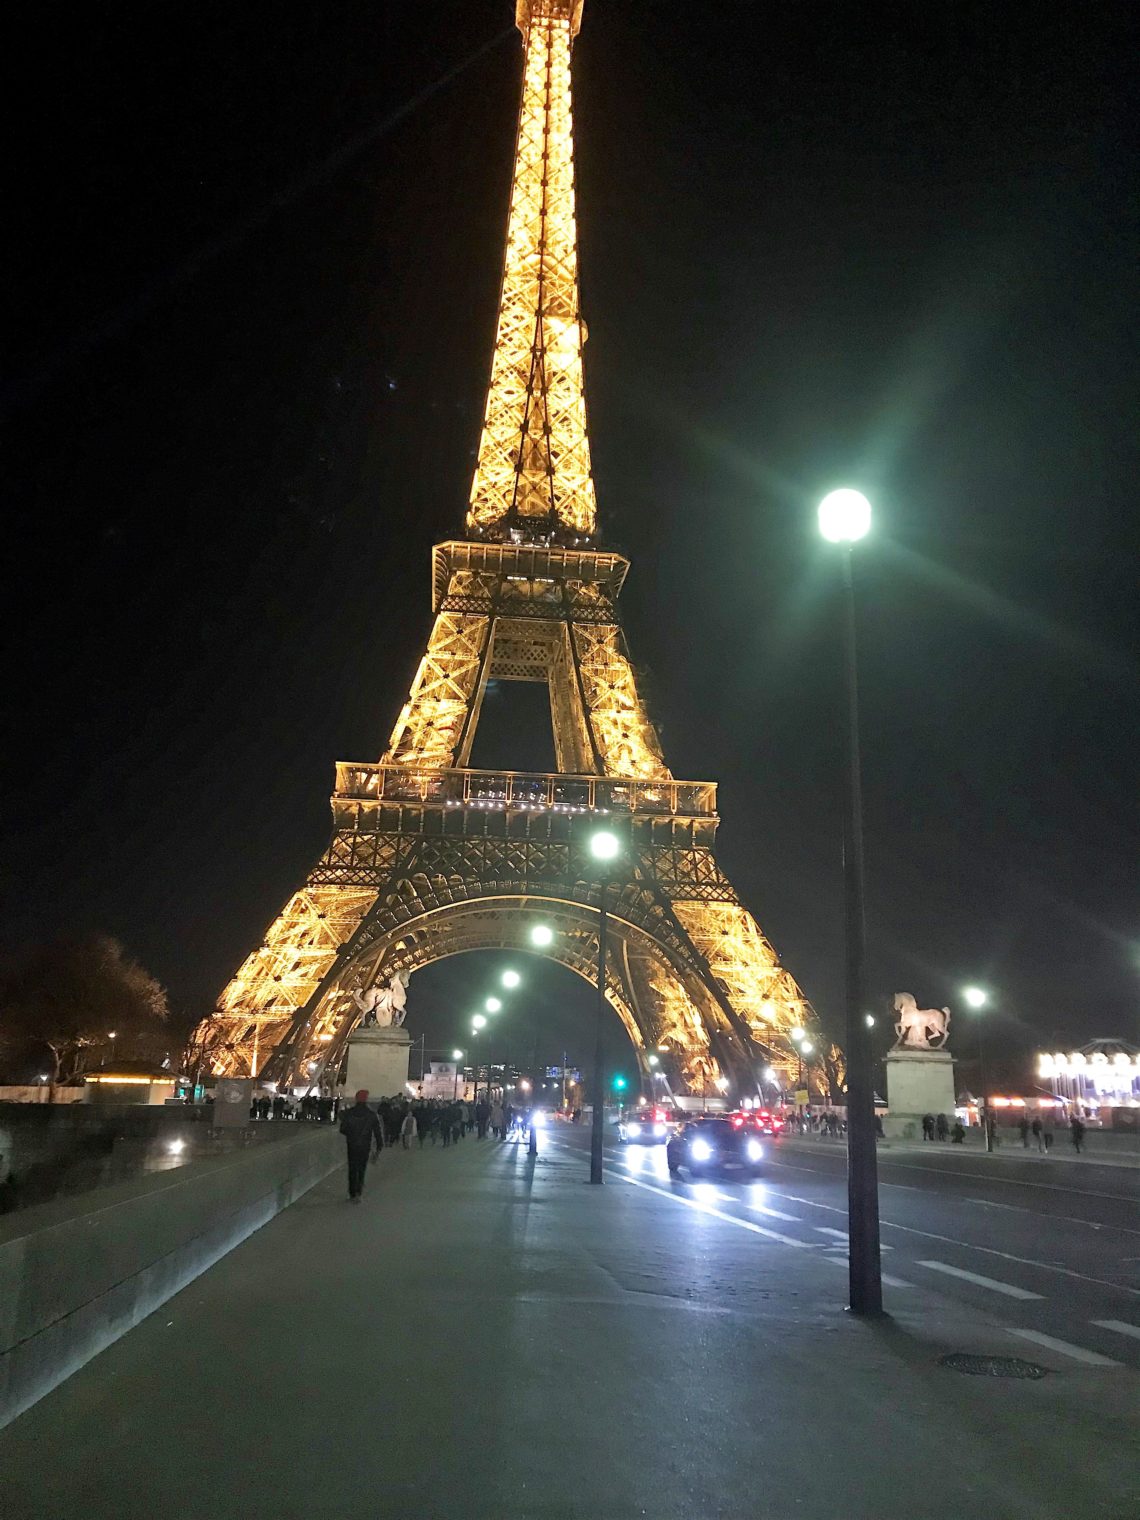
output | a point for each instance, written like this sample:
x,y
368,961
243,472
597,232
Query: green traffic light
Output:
x,y
619,1083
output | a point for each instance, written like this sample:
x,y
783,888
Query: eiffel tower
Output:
x,y
430,858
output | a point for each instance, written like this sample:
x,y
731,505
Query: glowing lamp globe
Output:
x,y
541,936
604,845
511,978
844,516
478,1022
974,996
492,1005
457,1055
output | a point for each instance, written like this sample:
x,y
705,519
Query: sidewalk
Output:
x,y
488,1336
1006,1150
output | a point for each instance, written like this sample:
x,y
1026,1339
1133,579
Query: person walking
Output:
x,y
942,1127
361,1130
1023,1127
928,1126
408,1130
1038,1132
1077,1130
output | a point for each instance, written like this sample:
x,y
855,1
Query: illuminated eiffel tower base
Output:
x,y
429,858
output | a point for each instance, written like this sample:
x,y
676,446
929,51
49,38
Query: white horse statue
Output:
x,y
914,1023
385,1003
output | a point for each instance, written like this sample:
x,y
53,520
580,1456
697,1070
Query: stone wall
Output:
x,y
76,1274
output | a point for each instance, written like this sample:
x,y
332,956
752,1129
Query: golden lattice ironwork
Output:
x,y
533,473
429,857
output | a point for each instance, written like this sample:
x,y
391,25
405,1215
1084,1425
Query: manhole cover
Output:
x,y
990,1366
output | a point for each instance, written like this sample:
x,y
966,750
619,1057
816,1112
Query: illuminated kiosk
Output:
x,y
378,1058
920,1071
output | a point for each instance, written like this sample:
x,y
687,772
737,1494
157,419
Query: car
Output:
x,y
715,1143
762,1119
646,1126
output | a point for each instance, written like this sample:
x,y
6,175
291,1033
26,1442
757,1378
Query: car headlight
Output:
x,y
755,1150
701,1150
659,1129
538,1118
634,1128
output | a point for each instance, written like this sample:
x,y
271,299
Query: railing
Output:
x,y
523,791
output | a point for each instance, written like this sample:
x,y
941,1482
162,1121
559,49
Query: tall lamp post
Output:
x,y
478,1023
977,998
604,848
845,518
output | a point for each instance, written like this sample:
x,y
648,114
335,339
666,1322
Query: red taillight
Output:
x,y
738,1122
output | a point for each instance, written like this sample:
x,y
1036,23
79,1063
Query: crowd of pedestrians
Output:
x,y
313,1108
412,1122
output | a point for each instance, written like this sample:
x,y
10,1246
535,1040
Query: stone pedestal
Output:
x,y
918,1082
378,1060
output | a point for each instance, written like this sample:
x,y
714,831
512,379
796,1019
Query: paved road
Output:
x,y
1051,1246
489,1336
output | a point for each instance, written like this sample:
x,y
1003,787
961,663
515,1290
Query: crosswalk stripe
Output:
x,y
822,1229
982,1282
762,1208
1120,1326
693,1203
841,1261
1065,1348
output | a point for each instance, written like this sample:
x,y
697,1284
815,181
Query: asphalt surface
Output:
x,y
1051,1244
487,1335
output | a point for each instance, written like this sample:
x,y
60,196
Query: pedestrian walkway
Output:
x,y
487,1335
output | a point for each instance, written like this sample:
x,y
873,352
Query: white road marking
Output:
x,y
945,1171
762,1208
1066,1348
982,1282
1019,1208
950,1240
704,1208
825,1229
842,1235
841,1261
1120,1326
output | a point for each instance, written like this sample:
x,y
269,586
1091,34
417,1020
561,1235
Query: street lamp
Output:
x,y
492,1005
479,1023
456,1056
511,979
604,847
845,518
977,998
542,936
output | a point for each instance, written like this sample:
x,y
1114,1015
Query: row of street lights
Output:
x,y
844,519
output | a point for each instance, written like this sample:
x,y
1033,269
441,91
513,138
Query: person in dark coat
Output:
x,y
361,1130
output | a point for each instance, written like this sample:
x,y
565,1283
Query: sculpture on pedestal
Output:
x,y
914,1024
384,1003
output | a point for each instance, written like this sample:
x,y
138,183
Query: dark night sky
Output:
x,y
256,260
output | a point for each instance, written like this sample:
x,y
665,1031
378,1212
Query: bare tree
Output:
x,y
71,994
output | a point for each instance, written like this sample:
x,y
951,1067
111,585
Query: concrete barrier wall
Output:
x,y
73,1279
